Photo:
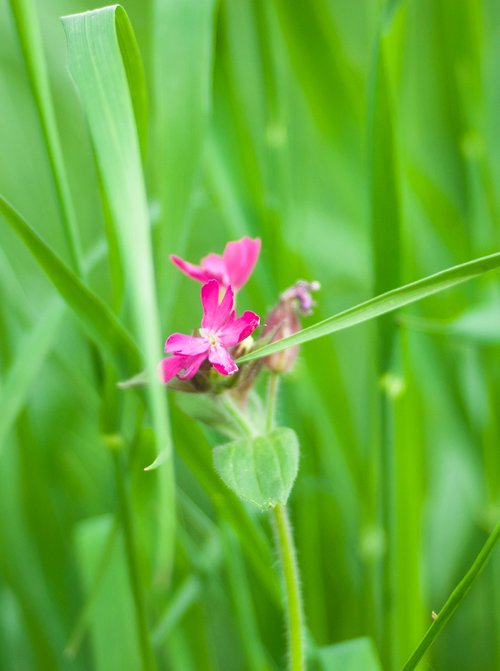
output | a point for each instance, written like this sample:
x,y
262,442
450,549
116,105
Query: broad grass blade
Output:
x,y
105,64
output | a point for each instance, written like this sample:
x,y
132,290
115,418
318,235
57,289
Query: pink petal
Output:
x,y
193,366
215,315
178,343
240,258
210,302
189,269
215,268
224,310
221,360
237,330
171,366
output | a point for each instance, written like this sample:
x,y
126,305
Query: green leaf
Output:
x,y
105,64
356,655
261,470
97,319
381,305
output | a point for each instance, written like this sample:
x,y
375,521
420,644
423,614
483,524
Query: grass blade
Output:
x,y
26,24
29,358
455,599
381,305
105,64
101,324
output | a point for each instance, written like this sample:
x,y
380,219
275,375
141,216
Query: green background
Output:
x,y
361,142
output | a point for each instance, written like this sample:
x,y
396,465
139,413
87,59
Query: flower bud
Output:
x,y
283,321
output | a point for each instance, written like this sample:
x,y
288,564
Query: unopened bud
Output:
x,y
283,321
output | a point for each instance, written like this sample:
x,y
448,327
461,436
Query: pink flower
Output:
x,y
220,329
233,268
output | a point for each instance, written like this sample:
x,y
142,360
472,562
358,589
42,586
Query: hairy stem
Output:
x,y
288,558
294,613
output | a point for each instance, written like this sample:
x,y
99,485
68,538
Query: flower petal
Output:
x,y
210,302
215,267
215,315
224,310
170,366
240,258
221,360
178,343
237,330
193,366
189,269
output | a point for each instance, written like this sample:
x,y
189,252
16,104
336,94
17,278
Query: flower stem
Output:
x,y
295,617
288,558
148,659
236,415
272,392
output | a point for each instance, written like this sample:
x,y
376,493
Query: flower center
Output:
x,y
210,336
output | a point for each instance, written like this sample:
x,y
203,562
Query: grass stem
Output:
x,y
454,599
148,659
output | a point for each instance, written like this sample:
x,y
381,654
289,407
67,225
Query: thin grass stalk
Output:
x,y
77,635
454,600
26,24
385,235
145,643
241,592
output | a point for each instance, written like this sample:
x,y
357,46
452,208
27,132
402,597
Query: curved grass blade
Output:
x,y
105,65
381,305
454,599
101,324
26,24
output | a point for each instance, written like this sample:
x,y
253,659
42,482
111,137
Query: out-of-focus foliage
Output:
x,y
361,142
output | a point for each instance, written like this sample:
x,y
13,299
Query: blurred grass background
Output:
x,y
361,142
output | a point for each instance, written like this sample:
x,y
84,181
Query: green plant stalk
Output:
x,y
237,416
295,618
78,633
288,558
284,539
148,658
455,599
272,393
241,594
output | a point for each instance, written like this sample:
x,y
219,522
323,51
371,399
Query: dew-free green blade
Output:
x,y
26,24
97,319
381,305
455,599
29,358
105,64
